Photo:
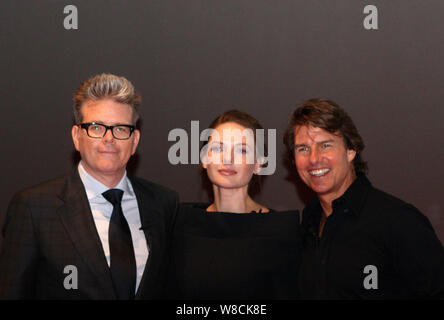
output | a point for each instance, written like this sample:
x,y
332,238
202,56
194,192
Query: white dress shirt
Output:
x,y
102,209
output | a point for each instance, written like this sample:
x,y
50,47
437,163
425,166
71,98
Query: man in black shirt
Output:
x,y
359,242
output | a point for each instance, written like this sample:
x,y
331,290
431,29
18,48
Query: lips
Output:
x,y
227,172
319,172
107,150
108,153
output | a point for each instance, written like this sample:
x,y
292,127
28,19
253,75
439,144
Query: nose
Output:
x,y
108,137
228,156
314,156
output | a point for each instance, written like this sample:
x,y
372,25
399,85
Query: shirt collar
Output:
x,y
95,188
352,199
355,195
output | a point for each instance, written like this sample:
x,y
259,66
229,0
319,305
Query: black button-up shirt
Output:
x,y
373,246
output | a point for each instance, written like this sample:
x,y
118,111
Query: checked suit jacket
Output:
x,y
50,226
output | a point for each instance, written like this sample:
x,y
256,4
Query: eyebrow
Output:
x,y
320,142
325,141
221,142
112,125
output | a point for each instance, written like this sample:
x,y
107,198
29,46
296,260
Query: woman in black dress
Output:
x,y
234,247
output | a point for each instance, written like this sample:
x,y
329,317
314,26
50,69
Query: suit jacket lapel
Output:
x,y
77,218
148,213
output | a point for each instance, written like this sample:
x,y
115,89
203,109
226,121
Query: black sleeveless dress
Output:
x,y
220,255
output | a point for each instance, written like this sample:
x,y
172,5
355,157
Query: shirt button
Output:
x,y
346,210
323,261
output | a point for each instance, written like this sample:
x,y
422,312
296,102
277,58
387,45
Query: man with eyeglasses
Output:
x,y
97,233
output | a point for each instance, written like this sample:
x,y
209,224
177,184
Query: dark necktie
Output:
x,y
123,262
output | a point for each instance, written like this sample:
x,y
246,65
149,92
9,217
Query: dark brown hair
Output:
x,y
239,117
327,115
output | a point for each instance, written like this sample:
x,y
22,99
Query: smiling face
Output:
x,y
323,162
105,158
230,161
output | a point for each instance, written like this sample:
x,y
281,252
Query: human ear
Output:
x,y
75,131
136,140
351,154
258,165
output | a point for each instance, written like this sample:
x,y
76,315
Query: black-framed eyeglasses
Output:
x,y
99,130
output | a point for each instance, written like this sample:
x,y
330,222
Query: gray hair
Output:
x,y
107,86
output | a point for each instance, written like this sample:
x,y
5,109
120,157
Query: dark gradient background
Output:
x,y
194,59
